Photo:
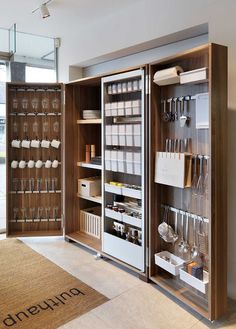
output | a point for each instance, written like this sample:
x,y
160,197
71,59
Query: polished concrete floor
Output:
x,y
133,304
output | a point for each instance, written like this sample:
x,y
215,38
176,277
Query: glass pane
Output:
x,y
3,78
36,74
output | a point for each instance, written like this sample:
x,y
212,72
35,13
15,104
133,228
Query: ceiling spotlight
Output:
x,y
43,9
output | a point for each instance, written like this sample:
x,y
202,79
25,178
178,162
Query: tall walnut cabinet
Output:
x,y
142,125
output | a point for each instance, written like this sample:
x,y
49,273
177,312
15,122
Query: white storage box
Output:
x,y
173,266
135,85
122,140
137,140
114,109
121,155
113,189
115,140
194,76
137,157
200,285
121,112
108,130
114,165
121,166
113,214
128,108
132,193
108,140
129,140
90,221
107,154
130,86
173,169
128,252
129,167
89,186
129,129
108,164
137,129
119,88
130,156
132,220
137,168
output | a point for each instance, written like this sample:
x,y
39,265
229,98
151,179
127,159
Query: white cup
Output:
x,y
26,144
39,164
55,163
48,164
35,143
55,143
45,144
16,143
22,164
14,164
31,164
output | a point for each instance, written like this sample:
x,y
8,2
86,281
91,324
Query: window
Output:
x,y
37,74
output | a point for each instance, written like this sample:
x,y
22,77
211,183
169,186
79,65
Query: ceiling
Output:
x,y
67,16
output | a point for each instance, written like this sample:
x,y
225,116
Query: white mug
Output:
x,y
55,163
25,143
39,164
14,164
35,143
22,164
55,143
31,164
45,144
16,143
48,164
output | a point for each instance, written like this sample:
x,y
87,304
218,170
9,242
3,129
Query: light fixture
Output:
x,y
43,9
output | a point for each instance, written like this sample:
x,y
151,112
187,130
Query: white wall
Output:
x,y
150,19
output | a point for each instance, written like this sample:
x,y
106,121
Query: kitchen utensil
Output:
x,y
55,213
194,249
202,238
35,126
206,157
24,182
40,213
181,243
186,244
165,230
175,237
165,114
15,185
200,183
184,119
55,163
32,213
170,113
56,126
175,101
195,176
47,184
47,212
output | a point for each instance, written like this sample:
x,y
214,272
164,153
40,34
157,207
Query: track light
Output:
x,y
43,9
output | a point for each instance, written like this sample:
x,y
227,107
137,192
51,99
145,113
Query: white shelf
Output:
x,y
89,165
36,220
90,121
123,218
97,199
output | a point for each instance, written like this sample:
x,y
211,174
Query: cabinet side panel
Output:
x,y
218,105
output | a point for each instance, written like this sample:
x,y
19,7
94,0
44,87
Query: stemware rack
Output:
x,y
35,184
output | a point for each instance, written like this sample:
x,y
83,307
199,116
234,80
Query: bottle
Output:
x,y
93,151
87,155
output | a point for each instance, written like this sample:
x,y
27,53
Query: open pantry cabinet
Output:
x,y
34,159
124,173
188,179
83,164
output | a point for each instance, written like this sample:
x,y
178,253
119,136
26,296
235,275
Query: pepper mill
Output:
x,y
87,156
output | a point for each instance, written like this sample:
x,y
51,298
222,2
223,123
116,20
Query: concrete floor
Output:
x,y
133,304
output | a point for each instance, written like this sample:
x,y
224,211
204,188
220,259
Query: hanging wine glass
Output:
x,y
55,104
56,126
25,104
35,104
15,104
15,127
45,104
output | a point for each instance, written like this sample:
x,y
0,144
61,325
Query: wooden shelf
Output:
x,y
89,165
85,240
34,233
97,199
89,121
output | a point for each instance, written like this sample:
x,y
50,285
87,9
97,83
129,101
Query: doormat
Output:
x,y
35,293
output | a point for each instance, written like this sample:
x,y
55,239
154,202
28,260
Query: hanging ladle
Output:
x,y
194,249
181,243
186,244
